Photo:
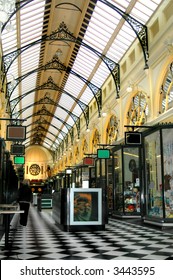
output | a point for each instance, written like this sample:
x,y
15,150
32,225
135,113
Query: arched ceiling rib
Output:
x,y
88,38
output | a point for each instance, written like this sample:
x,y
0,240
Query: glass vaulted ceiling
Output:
x,y
106,32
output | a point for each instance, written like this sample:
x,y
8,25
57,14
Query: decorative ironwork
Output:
x,y
38,139
62,33
55,63
139,29
43,111
42,120
52,86
47,100
39,129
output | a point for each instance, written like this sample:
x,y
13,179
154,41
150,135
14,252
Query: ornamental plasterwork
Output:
x,y
138,109
70,158
112,130
76,155
84,148
166,91
95,141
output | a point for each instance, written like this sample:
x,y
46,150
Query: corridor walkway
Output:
x,y
43,240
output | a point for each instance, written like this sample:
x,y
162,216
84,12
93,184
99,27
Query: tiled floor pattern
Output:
x,y
121,240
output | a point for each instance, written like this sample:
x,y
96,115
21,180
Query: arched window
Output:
x,y
112,130
138,110
95,141
166,92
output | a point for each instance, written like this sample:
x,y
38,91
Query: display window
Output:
x,y
118,181
168,171
131,180
154,196
159,174
127,176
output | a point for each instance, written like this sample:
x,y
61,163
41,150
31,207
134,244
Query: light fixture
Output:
x,y
104,114
6,8
129,88
87,130
58,53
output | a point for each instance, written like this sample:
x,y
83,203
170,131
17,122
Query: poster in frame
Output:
x,y
85,206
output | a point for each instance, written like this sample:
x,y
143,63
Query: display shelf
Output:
x,y
131,201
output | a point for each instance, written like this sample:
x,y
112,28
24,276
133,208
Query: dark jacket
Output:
x,y
24,194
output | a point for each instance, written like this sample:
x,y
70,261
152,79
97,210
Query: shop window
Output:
x,y
168,171
153,176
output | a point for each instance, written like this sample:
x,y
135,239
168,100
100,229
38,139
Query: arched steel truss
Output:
x,y
139,29
44,112
46,100
52,86
35,143
40,129
62,34
56,64
37,139
43,121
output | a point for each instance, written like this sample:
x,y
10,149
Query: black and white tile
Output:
x,y
41,239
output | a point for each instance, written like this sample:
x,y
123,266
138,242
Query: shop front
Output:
x,y
158,153
127,177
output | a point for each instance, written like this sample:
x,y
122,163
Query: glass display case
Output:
x,y
158,147
78,209
127,181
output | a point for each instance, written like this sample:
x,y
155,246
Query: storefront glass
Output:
x,y
127,181
168,171
131,180
154,196
118,181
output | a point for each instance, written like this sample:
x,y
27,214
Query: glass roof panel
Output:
x,y
107,33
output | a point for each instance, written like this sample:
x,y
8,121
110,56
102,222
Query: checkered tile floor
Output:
x,y
121,240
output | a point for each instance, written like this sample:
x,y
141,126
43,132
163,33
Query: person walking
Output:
x,y
24,199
